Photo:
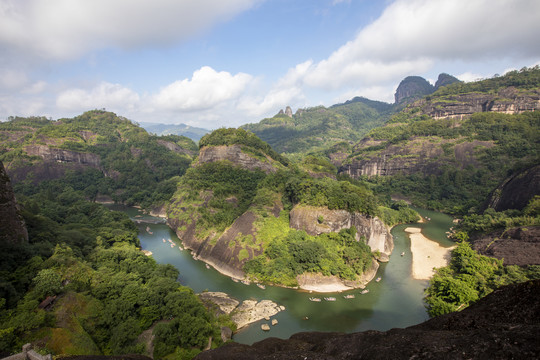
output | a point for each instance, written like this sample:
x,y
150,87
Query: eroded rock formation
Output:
x,y
516,191
315,221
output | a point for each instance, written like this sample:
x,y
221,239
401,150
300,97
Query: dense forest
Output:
x,y
107,291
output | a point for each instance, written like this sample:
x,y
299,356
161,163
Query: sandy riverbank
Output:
x,y
426,254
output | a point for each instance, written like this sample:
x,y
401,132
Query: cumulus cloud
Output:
x,y
104,95
205,90
412,35
64,29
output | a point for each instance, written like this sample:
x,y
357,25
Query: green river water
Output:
x,y
394,302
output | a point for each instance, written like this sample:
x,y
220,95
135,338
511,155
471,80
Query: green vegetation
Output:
x,y
469,277
317,129
108,292
295,253
461,187
134,168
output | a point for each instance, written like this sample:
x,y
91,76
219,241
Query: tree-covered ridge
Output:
x,y
526,78
134,166
107,291
318,128
233,136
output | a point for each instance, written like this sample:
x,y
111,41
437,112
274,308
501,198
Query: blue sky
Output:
x,y
214,63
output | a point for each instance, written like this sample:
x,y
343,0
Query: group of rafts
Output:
x,y
172,243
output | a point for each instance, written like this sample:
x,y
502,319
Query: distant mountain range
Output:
x,y
194,133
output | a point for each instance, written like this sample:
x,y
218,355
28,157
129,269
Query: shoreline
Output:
x,y
426,254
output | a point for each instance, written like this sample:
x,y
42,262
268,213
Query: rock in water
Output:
x,y
274,322
265,327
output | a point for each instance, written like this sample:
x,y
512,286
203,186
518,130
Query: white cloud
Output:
x,y
65,29
206,89
105,95
413,35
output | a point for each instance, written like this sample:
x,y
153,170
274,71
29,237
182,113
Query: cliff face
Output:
x,y
503,325
60,155
225,252
234,154
12,227
376,234
516,191
508,101
417,155
412,88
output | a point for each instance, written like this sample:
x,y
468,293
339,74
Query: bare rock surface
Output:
x,y
516,246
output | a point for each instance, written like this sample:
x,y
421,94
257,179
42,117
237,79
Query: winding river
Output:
x,y
394,302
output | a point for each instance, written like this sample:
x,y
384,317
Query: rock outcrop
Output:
x,y
234,154
12,226
503,325
444,80
516,191
372,229
242,314
60,155
412,88
515,246
508,101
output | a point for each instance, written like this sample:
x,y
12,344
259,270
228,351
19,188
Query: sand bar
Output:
x,y
426,254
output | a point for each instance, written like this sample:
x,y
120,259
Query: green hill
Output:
x,y
318,128
99,152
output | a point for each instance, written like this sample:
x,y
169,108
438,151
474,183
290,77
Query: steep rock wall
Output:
x,y
508,101
222,252
516,191
377,234
61,155
418,155
234,154
12,227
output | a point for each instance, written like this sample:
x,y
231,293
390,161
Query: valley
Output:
x,y
317,200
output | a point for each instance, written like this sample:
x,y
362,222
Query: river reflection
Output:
x,y
395,301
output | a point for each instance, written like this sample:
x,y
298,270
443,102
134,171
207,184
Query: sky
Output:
x,y
224,63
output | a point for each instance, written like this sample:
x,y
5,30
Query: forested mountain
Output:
x,y
105,155
318,128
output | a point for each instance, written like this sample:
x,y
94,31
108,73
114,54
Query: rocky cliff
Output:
x,y
60,155
508,101
503,325
12,227
426,155
515,246
516,191
224,252
235,155
316,221
412,88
